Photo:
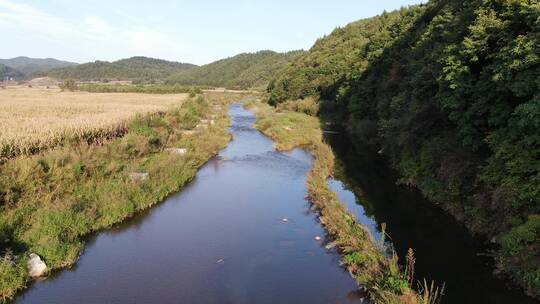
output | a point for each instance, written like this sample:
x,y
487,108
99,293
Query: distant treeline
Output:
x,y
449,93
149,89
142,69
243,71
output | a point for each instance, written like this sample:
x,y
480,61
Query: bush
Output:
x,y
520,254
308,105
69,85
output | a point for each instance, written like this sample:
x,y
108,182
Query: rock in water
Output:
x,y
36,267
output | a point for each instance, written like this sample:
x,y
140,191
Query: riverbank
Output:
x,y
51,201
366,259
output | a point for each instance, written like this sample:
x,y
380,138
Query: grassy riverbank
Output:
x,y
367,260
50,202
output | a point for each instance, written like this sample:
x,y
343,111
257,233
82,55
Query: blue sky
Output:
x,y
183,30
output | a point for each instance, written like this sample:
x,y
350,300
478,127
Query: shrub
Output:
x,y
69,85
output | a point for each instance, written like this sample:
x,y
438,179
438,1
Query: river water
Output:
x,y
220,240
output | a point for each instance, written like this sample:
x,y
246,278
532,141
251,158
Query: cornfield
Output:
x,y
32,120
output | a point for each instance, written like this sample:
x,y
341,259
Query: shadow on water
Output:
x,y
445,251
221,240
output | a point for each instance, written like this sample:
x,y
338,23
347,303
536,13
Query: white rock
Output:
x,y
139,176
188,132
330,245
36,267
179,151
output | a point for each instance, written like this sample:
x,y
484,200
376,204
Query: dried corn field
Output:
x,y
35,119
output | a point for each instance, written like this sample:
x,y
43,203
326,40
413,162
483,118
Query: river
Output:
x,y
221,240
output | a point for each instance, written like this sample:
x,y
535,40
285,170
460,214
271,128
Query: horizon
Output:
x,y
82,32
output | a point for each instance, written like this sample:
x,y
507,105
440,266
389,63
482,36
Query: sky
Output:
x,y
191,31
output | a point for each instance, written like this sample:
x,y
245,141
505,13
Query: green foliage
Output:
x,y
337,56
134,68
355,258
395,284
243,71
9,72
29,66
448,91
11,274
309,106
148,89
69,85
519,254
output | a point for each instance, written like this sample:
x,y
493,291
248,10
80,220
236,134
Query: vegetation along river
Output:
x,y
221,240
444,250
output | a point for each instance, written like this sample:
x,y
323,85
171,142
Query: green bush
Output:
x,y
520,254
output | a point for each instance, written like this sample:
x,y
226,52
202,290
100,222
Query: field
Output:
x,y
34,119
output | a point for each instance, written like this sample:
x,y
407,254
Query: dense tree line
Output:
x,y
449,93
136,68
148,89
243,71
8,72
28,66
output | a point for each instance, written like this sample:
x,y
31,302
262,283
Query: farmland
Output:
x,y
35,119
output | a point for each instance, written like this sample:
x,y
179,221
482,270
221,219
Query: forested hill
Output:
x,y
243,71
450,93
134,68
27,65
7,72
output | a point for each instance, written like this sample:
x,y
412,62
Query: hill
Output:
x,y
448,92
28,65
134,68
243,71
8,72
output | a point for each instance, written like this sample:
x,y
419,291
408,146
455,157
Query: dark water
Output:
x,y
445,252
221,240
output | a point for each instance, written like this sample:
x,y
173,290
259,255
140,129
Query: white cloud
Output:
x,y
92,35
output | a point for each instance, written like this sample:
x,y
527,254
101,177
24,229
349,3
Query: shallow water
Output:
x,y
445,252
220,240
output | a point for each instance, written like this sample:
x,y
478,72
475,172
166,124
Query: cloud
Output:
x,y
91,34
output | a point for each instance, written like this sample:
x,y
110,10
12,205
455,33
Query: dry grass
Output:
x,y
35,119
